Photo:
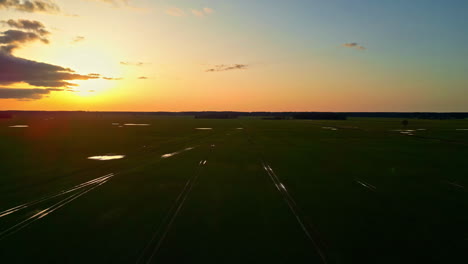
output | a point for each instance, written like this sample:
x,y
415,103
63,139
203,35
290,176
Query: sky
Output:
x,y
242,55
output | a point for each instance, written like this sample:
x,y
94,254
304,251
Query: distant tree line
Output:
x,y
264,115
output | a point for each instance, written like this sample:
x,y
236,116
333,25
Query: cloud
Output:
x,y
113,2
203,12
15,70
208,10
78,39
129,63
29,25
17,36
111,79
223,67
30,6
174,11
18,70
353,45
13,38
24,94
142,78
198,13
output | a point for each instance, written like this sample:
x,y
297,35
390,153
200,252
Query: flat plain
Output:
x,y
247,190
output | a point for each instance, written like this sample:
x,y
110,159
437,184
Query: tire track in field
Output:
x,y
63,192
313,235
158,237
44,212
82,189
307,228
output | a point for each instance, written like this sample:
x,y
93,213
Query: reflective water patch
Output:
x,y
19,126
131,124
168,155
106,157
204,128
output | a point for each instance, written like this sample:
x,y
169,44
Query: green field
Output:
x,y
285,191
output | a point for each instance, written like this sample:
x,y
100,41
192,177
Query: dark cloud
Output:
x,y
353,45
19,70
24,94
31,6
223,67
128,63
15,70
142,77
31,31
78,39
30,25
18,37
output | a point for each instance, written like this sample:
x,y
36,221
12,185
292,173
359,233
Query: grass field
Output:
x,y
245,191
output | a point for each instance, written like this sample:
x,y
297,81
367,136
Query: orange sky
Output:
x,y
242,56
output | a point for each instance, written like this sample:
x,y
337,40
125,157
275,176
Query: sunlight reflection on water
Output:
x,y
106,157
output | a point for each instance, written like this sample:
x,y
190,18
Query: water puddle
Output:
x,y
19,126
131,124
330,128
240,128
462,129
408,132
115,124
204,128
168,155
106,157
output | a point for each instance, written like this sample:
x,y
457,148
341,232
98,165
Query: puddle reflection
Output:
x,y
106,157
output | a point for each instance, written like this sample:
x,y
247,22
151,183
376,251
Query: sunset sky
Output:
x,y
239,55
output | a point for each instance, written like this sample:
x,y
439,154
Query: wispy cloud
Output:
x,y
143,78
30,6
178,12
203,12
208,10
174,11
78,39
224,67
130,63
114,2
112,79
353,45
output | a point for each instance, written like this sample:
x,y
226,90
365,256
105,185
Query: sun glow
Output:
x,y
94,87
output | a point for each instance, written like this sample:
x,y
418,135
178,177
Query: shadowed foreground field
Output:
x,y
244,191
